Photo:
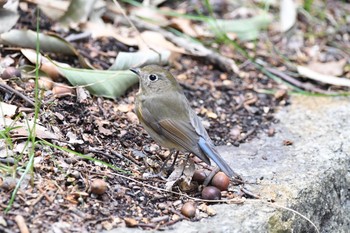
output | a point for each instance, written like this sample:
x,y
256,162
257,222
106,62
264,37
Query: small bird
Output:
x,y
167,116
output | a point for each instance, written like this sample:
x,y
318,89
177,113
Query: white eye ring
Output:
x,y
153,77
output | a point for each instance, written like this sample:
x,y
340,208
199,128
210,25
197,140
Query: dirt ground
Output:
x,y
58,194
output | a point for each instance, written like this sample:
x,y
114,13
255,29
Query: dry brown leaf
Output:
x,y
45,64
98,30
151,15
334,68
130,222
185,25
54,9
157,41
182,172
22,130
146,40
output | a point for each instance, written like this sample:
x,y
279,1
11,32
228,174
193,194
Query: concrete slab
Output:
x,y
310,176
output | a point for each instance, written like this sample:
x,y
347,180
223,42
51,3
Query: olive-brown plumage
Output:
x,y
165,113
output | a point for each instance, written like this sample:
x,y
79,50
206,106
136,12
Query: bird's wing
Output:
x,y
148,119
173,125
183,134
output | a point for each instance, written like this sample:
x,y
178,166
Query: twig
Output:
x,y
21,224
229,201
297,83
7,88
210,176
128,158
247,135
249,193
308,73
78,36
37,199
45,195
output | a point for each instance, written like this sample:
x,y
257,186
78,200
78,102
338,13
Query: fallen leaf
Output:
x,y
145,57
20,129
288,14
28,39
8,19
54,9
306,72
334,68
98,30
73,138
150,15
77,12
156,41
45,64
8,110
102,129
245,29
185,25
130,222
110,84
182,172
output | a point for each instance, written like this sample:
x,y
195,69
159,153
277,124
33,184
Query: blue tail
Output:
x,y
210,151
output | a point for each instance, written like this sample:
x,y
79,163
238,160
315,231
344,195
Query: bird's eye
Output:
x,y
152,77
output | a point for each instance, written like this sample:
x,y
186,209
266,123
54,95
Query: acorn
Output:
x,y
98,186
189,209
211,193
199,176
221,181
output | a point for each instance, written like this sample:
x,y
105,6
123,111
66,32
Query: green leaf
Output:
x,y
245,29
110,84
28,39
8,19
78,12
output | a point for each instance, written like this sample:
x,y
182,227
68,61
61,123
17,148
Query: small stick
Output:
x,y
249,193
297,83
247,135
210,176
45,195
21,224
19,94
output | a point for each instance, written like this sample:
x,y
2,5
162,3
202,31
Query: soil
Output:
x,y
58,195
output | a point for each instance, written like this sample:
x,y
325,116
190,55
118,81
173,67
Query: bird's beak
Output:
x,y
135,70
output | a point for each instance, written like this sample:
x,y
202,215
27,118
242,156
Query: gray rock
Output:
x,y
310,177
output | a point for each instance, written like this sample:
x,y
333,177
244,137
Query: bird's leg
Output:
x,y
159,174
174,161
166,160
186,161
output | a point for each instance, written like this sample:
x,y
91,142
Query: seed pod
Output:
x,y
98,186
221,181
189,209
199,176
211,193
